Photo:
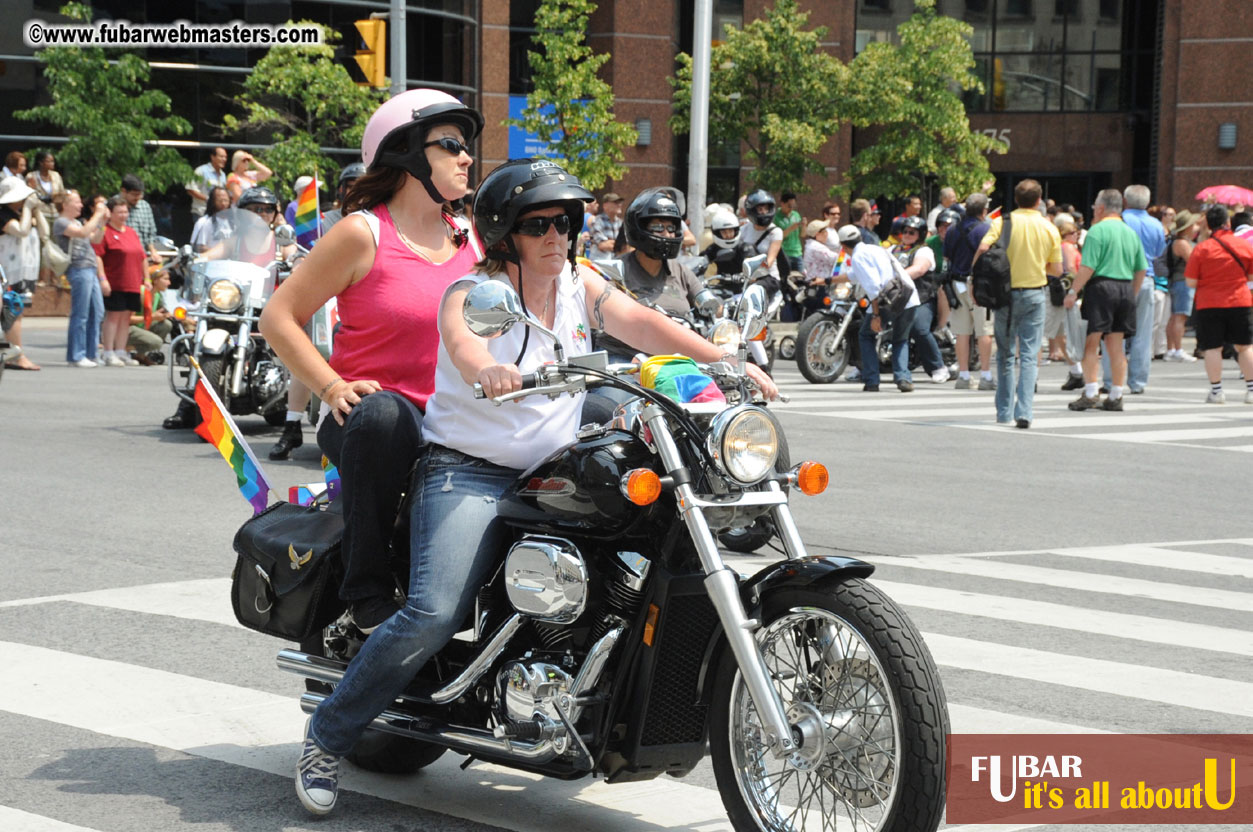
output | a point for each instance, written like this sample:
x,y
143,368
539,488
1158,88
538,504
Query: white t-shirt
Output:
x,y
871,267
522,433
761,238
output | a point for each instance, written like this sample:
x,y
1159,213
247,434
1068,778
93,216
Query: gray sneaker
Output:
x,y
987,384
317,777
964,384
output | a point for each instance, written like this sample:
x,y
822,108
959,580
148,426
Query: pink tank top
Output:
x,y
388,330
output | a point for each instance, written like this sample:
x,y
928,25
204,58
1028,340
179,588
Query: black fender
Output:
x,y
811,572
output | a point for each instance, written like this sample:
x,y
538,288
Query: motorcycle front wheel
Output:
x,y
787,347
818,357
860,685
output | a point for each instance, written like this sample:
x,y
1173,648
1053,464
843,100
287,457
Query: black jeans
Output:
x,y
375,450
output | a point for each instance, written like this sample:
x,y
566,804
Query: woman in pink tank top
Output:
x,y
387,262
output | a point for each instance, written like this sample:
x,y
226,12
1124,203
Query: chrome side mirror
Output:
x,y
492,308
708,303
752,264
164,243
752,312
285,235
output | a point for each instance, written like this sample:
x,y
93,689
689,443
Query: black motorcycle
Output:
x,y
613,640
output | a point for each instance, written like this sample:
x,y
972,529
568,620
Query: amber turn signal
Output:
x,y
641,486
180,313
650,624
760,336
812,478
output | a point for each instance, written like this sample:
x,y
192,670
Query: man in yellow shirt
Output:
x,y
1034,251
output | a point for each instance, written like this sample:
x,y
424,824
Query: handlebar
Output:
x,y
529,382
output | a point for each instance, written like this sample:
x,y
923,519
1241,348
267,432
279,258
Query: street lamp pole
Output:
x,y
698,154
400,68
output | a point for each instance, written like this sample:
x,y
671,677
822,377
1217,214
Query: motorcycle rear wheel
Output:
x,y
819,361
376,750
787,347
855,675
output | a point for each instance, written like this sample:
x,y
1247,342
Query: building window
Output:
x,y
521,32
1031,60
880,6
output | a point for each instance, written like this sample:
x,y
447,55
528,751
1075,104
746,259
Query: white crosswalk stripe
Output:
x,y
1169,414
968,630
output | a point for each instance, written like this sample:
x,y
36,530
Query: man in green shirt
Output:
x,y
789,219
1112,269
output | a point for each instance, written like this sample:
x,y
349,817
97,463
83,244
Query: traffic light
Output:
x,y
373,58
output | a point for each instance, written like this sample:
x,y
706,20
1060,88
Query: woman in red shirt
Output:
x,y
124,257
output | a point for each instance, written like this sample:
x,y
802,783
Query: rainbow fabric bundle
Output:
x,y
677,377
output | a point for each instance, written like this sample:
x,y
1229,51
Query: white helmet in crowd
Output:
x,y
726,229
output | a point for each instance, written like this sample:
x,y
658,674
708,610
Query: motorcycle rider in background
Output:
x,y
262,202
653,227
729,250
918,260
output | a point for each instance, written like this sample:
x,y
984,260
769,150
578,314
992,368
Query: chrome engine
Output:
x,y
269,381
531,692
546,579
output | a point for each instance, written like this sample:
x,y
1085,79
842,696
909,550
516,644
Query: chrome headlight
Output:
x,y
726,334
744,441
842,290
224,295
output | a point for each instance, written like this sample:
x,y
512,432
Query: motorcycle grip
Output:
x,y
529,382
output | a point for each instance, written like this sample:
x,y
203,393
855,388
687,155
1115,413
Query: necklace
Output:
x,y
415,248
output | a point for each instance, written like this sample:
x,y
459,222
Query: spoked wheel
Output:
x,y
819,357
787,347
864,699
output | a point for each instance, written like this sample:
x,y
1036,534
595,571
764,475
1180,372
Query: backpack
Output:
x,y
990,276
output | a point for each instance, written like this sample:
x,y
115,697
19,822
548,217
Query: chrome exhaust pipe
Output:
x,y
331,671
475,741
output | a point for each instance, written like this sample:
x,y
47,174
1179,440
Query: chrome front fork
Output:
x,y
724,592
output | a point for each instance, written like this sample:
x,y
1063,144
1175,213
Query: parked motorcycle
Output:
x,y
613,639
224,294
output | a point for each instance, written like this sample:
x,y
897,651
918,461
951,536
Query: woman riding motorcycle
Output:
x,y
529,213
387,263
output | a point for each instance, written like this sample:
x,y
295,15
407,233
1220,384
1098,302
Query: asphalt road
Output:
x,y
1094,573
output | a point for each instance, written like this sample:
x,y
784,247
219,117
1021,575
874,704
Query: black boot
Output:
x,y
293,437
186,417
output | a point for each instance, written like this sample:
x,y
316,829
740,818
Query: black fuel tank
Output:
x,y
577,490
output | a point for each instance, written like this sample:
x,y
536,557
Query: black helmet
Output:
x,y
754,201
947,216
354,171
258,196
651,204
520,186
897,225
916,223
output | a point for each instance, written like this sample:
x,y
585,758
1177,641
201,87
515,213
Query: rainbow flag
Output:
x,y
219,430
995,214
308,220
677,377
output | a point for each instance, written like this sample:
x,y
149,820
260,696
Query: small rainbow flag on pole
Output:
x,y
308,219
219,430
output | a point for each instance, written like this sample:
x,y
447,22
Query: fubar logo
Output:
x,y
1100,778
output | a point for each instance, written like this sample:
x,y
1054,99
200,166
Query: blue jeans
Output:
x,y
86,313
924,340
1019,339
457,540
867,337
1139,347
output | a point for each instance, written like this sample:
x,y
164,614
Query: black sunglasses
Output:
x,y
538,226
450,144
261,209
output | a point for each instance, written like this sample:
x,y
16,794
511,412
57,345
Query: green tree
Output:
x,y
102,103
773,89
908,94
571,108
306,100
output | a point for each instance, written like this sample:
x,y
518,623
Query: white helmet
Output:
x,y
725,221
